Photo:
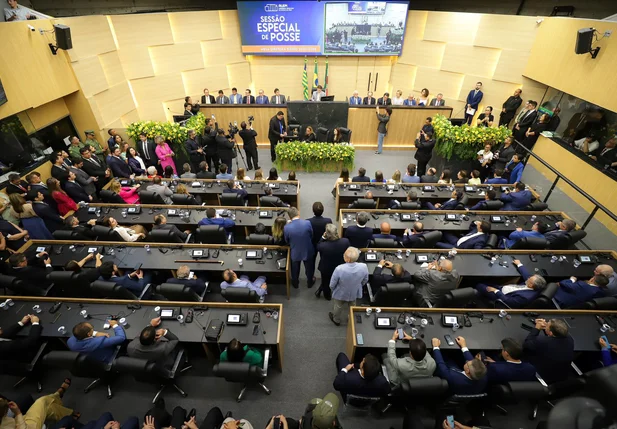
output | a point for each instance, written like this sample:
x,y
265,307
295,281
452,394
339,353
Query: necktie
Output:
x,y
145,150
94,161
22,188
248,99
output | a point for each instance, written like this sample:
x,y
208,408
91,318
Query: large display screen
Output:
x,y
322,28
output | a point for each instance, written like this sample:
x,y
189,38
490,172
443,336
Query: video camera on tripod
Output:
x,y
233,129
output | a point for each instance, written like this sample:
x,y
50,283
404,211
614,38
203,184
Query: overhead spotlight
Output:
x,y
539,21
31,28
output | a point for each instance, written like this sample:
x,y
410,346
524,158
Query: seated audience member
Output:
x,y
16,185
516,200
384,232
238,352
233,188
607,358
451,204
573,292
152,172
274,175
260,231
309,135
64,202
418,363
160,222
537,230
587,144
181,189
461,177
552,353
410,101
97,345
131,233
23,211
343,178
396,177
169,173
399,275
32,271
13,235
183,277
475,178
475,239
435,281
497,178
204,172
489,195
241,175
361,177
359,234
319,413
511,368
129,194
410,175
49,215
366,380
471,380
607,270
367,196
72,223
223,174
163,190
187,174
515,168
212,218
278,230
135,281
430,176
259,174
515,296
278,202
231,280
412,197
13,347
411,237
606,155
331,250
291,176
445,178
563,227
90,274
378,177
154,345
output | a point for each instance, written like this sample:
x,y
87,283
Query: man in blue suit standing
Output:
x,y
515,296
472,380
473,99
299,234
511,368
355,100
517,200
475,239
515,168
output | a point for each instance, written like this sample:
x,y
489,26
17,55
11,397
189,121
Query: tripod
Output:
x,y
241,155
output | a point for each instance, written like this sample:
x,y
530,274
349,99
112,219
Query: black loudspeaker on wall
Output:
x,y
584,41
63,37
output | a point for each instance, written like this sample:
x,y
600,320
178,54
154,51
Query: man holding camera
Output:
x,y
250,145
225,149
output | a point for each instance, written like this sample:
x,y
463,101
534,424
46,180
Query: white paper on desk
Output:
x,y
471,111
424,265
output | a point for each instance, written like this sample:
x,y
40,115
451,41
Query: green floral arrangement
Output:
x,y
464,142
314,156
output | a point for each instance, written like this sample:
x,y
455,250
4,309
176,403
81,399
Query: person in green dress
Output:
x,y
91,140
237,352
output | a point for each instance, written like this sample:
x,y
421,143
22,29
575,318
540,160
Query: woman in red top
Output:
x,y
65,203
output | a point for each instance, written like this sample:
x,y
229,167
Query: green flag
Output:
x,y
325,85
305,82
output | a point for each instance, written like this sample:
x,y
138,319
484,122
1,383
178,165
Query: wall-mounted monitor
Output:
x,y
322,28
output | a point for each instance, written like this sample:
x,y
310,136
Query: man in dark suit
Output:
x,y
72,223
359,234
331,250
509,107
222,98
369,100
276,132
187,109
411,237
385,100
261,98
35,184
95,167
475,239
248,134
160,222
361,177
517,200
299,234
525,119
430,176
58,169
207,98
552,353
515,296
76,192
248,98
356,204
183,275
147,150
382,127
490,195
608,154
32,271
318,223
111,141
472,380
399,275
438,101
53,221
272,201
473,100
13,347
83,179
574,293
424,150
563,227
277,98
118,166
203,172
511,368
367,380
135,281
225,149
16,185
194,150
384,232
154,345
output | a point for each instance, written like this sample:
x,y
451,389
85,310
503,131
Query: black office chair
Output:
x,y
393,295
410,205
105,233
69,284
562,242
457,298
545,299
236,294
211,234
109,289
150,197
231,199
269,201
178,292
345,135
165,236
530,243
322,134
25,366
110,197
382,243
245,373
536,207
428,389
150,372
83,366
463,202
429,240
68,235
22,288
364,203
493,205
492,242
575,236
606,303
184,200
516,392
260,239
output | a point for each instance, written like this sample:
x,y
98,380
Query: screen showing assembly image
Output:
x,y
322,28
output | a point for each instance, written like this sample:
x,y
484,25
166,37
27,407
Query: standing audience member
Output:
x,y
524,120
53,221
514,168
552,352
533,133
424,150
164,154
118,166
64,202
473,100
248,134
509,108
299,235
75,191
146,148
347,283
382,128
331,250
83,179
503,154
225,149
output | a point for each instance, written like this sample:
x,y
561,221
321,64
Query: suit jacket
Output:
x,y
458,382
505,156
16,348
59,173
282,99
119,168
353,383
252,98
331,255
211,97
502,372
274,129
497,181
382,127
516,200
359,237
474,99
262,99
381,102
571,293
382,279
191,147
426,178
519,298
316,96
147,148
46,195
160,352
174,228
299,234
206,175
85,231
527,120
188,113
355,101
76,192
608,157
477,242
235,99
369,101
412,240
99,348
136,167
135,285
318,223
364,179
53,221
197,284
435,102
222,99
84,180
424,149
95,170
34,274
551,356
552,236
224,148
511,105
248,138
14,189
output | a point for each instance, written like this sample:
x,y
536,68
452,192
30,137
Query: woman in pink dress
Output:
x,y
165,154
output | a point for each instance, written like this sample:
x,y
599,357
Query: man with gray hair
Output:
x,y
355,100
515,296
607,270
471,380
185,277
434,281
563,227
359,234
346,283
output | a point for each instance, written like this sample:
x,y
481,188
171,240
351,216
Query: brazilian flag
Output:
x,y
315,78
